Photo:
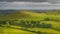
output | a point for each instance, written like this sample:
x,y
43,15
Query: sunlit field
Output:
x,y
30,22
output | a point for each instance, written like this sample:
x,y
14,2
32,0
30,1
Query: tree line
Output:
x,y
27,24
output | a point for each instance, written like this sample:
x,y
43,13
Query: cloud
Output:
x,y
28,5
25,0
54,1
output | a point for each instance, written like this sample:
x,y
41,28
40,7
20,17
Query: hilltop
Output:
x,y
27,14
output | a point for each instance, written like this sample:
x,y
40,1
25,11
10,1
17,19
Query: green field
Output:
x,y
30,22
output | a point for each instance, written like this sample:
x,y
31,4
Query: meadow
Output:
x,y
30,22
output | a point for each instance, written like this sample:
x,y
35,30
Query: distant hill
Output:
x,y
7,11
19,14
28,14
12,11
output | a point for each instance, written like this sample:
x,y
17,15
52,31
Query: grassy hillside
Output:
x,y
30,22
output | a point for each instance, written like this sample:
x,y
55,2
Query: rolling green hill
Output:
x,y
29,22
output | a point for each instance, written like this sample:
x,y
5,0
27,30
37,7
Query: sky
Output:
x,y
30,4
26,0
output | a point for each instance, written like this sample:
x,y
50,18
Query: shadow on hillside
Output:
x,y
25,29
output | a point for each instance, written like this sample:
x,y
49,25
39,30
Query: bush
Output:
x,y
3,22
46,25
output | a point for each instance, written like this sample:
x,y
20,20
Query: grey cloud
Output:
x,y
25,0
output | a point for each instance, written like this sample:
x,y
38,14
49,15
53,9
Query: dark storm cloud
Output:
x,y
26,0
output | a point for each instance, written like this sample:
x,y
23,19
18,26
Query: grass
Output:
x,y
48,31
13,31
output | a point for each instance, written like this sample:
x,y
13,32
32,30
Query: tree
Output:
x,y
47,19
